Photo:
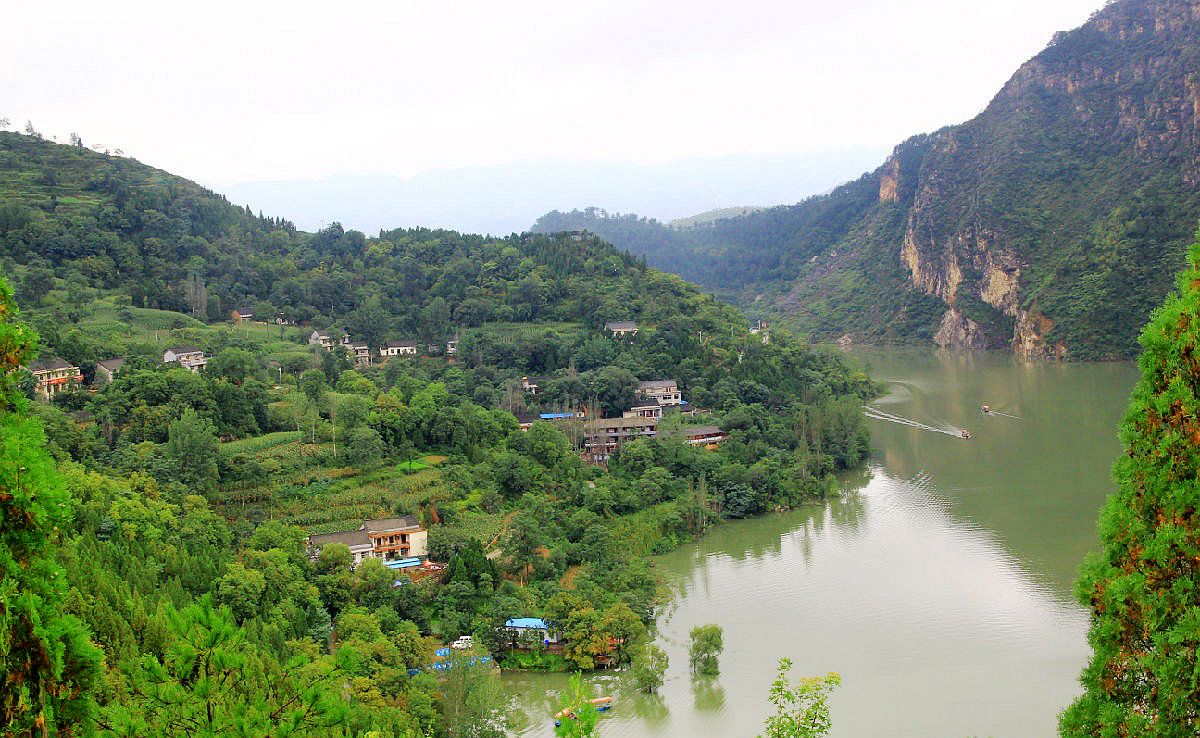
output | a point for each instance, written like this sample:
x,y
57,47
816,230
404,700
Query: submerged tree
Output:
x,y
1144,677
47,664
708,641
650,667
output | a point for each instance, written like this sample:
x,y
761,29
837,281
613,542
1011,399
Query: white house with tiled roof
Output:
x,y
383,538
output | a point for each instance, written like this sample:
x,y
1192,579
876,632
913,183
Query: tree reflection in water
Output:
x,y
709,694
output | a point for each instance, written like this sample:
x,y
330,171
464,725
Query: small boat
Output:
x,y
966,434
985,409
602,704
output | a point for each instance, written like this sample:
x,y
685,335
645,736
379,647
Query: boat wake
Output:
x,y
1003,415
877,414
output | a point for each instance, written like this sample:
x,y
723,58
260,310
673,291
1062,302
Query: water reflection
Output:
x,y
938,583
709,695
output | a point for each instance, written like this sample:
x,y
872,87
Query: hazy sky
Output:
x,y
231,92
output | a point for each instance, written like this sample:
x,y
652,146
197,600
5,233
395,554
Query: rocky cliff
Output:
x,y
1051,223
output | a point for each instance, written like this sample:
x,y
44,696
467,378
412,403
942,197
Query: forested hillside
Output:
x,y
1050,223
170,509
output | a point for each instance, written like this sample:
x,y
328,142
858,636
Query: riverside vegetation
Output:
x,y
156,579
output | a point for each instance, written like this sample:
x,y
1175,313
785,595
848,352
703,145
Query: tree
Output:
x,y
192,451
579,715
1143,588
473,701
708,641
312,384
364,447
50,667
801,709
213,682
650,667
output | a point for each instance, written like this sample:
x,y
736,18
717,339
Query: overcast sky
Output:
x,y
234,92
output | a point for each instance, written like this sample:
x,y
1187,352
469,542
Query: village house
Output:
x,y
533,385
602,438
709,436
361,352
388,539
526,420
452,346
328,339
188,357
760,329
524,632
621,328
653,410
398,348
241,315
108,369
660,391
54,376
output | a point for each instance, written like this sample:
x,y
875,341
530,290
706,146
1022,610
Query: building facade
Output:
x,y
108,369
388,539
400,348
663,392
55,376
602,438
188,357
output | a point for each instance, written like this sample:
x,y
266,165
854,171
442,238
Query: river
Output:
x,y
939,584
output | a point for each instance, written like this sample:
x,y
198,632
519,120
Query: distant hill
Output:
x,y
709,216
1052,222
82,231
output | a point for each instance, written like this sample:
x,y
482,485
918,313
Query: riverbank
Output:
x,y
939,584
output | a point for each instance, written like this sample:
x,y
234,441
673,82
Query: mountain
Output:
x,y
1051,223
505,198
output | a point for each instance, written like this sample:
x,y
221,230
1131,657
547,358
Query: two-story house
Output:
x,y
54,376
602,438
660,391
327,339
360,351
385,538
188,357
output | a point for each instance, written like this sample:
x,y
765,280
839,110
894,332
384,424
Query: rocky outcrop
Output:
x,y
960,332
889,181
1029,337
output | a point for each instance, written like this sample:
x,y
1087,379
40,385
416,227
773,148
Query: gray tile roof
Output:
x,y
346,537
382,525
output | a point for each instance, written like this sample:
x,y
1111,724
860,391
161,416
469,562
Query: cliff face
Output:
x,y
1052,223
1121,89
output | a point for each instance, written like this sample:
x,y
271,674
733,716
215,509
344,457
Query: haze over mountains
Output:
x,y
1052,222
507,198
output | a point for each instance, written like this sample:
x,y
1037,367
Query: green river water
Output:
x,y
939,585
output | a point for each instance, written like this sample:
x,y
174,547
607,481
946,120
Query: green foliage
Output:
x,y
1088,202
50,667
1142,589
579,715
194,492
704,651
801,708
650,667
211,682
192,452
